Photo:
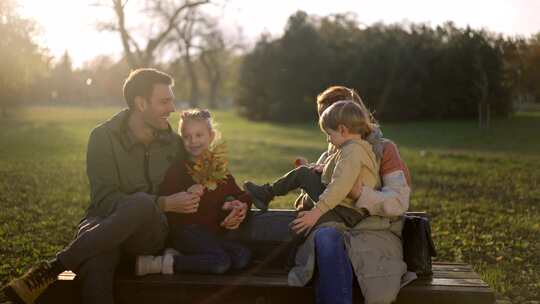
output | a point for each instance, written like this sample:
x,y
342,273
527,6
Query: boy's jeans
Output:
x,y
334,280
203,251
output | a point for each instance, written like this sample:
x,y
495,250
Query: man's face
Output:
x,y
159,107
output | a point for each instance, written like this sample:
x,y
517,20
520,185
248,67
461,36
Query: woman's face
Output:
x,y
197,136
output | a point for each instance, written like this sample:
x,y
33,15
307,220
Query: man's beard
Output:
x,y
154,124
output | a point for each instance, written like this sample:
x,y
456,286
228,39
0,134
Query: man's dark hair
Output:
x,y
140,82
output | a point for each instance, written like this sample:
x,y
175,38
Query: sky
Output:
x,y
71,25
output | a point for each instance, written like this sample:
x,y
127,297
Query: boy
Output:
x,y
346,125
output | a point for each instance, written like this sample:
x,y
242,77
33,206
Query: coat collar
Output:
x,y
118,124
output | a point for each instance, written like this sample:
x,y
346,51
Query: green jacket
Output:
x,y
117,165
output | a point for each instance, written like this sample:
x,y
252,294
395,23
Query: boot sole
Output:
x,y
257,202
13,296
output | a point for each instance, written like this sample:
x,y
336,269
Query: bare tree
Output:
x,y
136,55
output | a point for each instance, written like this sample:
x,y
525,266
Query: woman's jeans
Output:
x,y
334,281
203,251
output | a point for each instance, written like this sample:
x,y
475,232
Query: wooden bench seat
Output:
x,y
450,283
266,279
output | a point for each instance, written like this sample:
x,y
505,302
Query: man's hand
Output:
x,y
306,220
196,189
236,216
181,202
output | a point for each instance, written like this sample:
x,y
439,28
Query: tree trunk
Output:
x,y
194,82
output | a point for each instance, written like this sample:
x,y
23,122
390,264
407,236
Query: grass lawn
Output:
x,y
481,187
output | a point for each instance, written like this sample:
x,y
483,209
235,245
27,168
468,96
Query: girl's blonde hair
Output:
x,y
349,114
199,115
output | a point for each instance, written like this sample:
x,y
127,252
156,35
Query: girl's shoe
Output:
x,y
168,261
147,264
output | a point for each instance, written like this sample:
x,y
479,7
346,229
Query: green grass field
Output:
x,y
481,187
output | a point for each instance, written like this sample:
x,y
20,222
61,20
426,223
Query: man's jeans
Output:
x,y
136,227
334,281
203,251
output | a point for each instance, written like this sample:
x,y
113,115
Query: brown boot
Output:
x,y
26,289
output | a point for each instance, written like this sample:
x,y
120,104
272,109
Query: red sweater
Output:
x,y
209,213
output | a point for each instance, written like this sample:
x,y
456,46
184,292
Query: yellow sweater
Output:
x,y
352,160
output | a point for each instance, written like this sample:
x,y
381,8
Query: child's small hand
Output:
x,y
318,168
231,204
300,161
306,220
196,189
236,216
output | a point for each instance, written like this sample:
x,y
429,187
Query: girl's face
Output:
x,y
197,136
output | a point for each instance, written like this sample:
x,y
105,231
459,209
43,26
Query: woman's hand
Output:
x,y
236,216
196,189
181,202
356,190
306,220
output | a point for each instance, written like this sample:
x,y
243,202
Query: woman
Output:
x,y
372,248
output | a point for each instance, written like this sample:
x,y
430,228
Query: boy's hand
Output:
x,y
300,161
196,189
306,220
318,168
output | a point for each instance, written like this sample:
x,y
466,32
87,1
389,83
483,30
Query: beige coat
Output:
x,y
374,247
355,159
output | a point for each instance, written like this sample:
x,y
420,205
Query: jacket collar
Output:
x,y
118,124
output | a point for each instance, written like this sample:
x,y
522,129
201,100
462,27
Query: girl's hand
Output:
x,y
237,215
231,204
196,189
306,220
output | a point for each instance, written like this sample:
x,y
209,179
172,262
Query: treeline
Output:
x,y
199,55
403,72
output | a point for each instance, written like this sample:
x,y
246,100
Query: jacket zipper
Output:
x,y
146,170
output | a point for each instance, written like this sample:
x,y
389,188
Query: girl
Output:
x,y
196,236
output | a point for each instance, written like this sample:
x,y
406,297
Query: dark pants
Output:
x,y
203,251
136,227
302,177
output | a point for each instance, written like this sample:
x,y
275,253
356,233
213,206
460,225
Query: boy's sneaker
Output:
x,y
167,266
261,195
27,288
147,264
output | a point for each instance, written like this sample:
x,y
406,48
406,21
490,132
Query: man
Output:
x,y
127,158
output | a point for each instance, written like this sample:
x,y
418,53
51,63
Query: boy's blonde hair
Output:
x,y
349,114
334,94
198,115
